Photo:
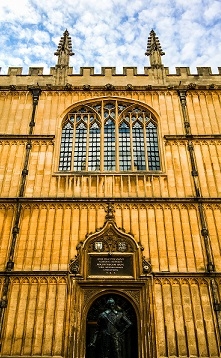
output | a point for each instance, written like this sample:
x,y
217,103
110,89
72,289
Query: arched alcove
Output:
x,y
96,343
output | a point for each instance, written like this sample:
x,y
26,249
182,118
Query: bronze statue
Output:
x,y
108,340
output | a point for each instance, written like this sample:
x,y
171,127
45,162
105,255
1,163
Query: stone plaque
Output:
x,y
120,265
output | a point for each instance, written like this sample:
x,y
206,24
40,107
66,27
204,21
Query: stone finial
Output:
x,y
64,50
154,50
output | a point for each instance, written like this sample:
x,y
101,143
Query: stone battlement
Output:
x,y
111,71
155,76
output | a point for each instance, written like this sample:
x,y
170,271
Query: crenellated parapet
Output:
x,y
109,78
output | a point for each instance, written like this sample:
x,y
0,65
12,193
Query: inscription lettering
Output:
x,y
102,265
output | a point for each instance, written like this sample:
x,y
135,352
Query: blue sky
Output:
x,y
110,32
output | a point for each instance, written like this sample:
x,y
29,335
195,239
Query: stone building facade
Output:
x,y
110,187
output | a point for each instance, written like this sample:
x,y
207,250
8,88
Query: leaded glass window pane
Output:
x,y
94,148
124,147
66,147
89,136
80,147
152,147
138,147
109,145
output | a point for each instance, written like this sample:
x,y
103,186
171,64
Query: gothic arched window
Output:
x,y
109,136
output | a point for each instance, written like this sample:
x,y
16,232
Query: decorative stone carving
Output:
x,y
74,265
147,268
86,87
134,294
109,87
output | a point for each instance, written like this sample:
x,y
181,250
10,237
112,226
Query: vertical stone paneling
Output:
x,y
16,112
208,319
56,239
34,324
92,213
178,238
83,221
203,108
6,222
134,222
40,181
48,182
153,243
43,114
25,237
160,320
213,218
12,156
177,165
195,114
205,117
214,110
170,239
161,109
161,238
11,316
189,327
184,178
210,99
209,174
3,100
166,104
188,241
173,238
23,114
169,113
196,239
169,318
126,222
143,228
170,170
179,181
170,234
179,323
49,234
215,157
177,114
209,167
66,248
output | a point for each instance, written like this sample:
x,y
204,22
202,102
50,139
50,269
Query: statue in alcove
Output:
x,y
109,338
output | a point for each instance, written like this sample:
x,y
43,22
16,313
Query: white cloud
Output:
x,y
110,33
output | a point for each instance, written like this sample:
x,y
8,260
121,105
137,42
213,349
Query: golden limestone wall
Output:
x,y
38,320
170,233
35,322
58,210
175,181
186,322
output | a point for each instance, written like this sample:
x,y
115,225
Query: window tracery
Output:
x,y
109,136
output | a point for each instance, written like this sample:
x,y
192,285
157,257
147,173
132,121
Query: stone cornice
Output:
x,y
192,137
135,200
110,89
162,274
26,137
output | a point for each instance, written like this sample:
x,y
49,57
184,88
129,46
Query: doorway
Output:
x,y
111,329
